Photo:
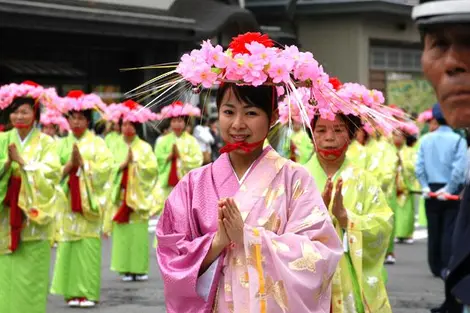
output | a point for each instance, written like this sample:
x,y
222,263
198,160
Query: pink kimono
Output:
x,y
291,248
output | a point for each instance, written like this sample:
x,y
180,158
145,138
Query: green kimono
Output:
x,y
130,250
113,139
190,157
358,284
304,146
79,234
24,273
357,154
406,182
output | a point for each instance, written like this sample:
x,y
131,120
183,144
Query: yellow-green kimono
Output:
x,y
130,250
190,157
406,182
304,146
79,249
24,273
358,284
113,139
357,155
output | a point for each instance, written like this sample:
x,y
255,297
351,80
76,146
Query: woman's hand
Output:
x,y
221,238
338,209
233,221
14,155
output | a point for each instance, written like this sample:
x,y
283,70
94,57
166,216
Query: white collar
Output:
x,y
241,180
22,142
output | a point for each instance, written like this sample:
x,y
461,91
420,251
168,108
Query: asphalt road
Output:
x,y
412,289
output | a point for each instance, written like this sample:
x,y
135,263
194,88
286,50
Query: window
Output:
x,y
395,59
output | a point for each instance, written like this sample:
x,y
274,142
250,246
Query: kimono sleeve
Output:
x,y
163,149
38,180
142,179
4,174
180,253
302,259
369,228
193,159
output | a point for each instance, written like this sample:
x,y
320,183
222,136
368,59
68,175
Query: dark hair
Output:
x,y
88,114
19,101
441,121
366,134
353,123
263,97
213,120
410,140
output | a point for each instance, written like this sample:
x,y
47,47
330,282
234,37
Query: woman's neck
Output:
x,y
331,166
23,132
242,162
129,139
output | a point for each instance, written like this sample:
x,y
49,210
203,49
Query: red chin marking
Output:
x,y
242,145
129,134
78,131
333,152
22,126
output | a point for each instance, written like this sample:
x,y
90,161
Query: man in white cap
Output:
x,y
445,28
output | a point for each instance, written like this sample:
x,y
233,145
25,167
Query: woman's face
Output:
x,y
330,136
78,123
398,138
50,130
22,116
128,129
240,121
177,125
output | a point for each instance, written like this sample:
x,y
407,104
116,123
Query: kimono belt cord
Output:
x,y
16,215
74,186
124,213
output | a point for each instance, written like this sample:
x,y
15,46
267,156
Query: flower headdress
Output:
x,y
178,108
54,117
128,111
28,88
289,107
77,100
425,116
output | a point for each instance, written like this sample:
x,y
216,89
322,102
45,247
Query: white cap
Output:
x,y
433,12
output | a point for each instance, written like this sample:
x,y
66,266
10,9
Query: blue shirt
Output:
x,y
442,159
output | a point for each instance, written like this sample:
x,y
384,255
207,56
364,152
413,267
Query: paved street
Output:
x,y
411,287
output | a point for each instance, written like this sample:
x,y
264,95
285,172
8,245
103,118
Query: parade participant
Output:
x,y
360,213
299,144
440,168
53,122
29,169
112,116
87,165
445,27
405,183
177,152
133,198
249,232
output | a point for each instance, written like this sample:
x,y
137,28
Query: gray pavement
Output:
x,y
411,287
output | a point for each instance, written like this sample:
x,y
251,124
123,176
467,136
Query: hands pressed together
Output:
x,y
230,223
14,155
338,208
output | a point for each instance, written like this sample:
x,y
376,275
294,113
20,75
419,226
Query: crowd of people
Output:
x,y
291,200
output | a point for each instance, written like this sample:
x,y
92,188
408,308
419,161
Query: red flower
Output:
x,y
131,104
75,94
238,43
336,83
30,83
178,103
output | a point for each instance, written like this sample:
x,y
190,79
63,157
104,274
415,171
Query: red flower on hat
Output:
x,y
75,94
238,43
179,103
336,83
30,83
131,104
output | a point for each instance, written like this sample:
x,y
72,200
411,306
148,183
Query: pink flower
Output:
x,y
279,70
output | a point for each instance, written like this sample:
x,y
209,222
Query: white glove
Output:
x,y
425,192
441,194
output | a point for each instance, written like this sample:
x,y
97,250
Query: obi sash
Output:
x,y
74,186
173,177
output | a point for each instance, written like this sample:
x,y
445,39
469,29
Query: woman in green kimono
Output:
x,y
177,152
87,165
357,152
405,183
29,169
133,201
360,214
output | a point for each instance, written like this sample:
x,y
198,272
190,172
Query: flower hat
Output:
x,y
128,111
54,117
425,116
77,100
177,109
46,96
